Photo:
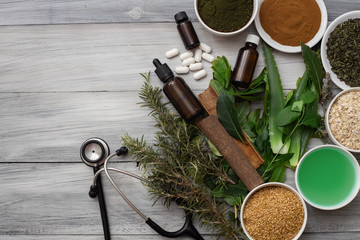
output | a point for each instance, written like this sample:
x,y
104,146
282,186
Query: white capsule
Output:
x,y
198,53
181,70
186,55
196,66
188,61
208,57
205,48
172,53
200,74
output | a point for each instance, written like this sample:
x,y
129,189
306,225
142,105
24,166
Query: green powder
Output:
x,y
225,15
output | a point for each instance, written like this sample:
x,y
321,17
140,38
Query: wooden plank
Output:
x,y
27,12
50,127
51,199
95,237
305,236
108,57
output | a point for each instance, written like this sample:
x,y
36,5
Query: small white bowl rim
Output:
x,y
353,194
289,49
342,18
276,184
333,139
227,34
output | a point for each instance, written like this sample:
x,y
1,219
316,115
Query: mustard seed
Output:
x,y
273,213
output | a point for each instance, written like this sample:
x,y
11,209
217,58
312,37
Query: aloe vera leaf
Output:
x,y
276,102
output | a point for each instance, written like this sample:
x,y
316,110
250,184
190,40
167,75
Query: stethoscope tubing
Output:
x,y
102,206
118,190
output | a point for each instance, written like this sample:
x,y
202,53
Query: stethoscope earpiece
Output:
x,y
93,192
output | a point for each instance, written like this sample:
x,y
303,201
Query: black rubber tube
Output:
x,y
103,212
187,229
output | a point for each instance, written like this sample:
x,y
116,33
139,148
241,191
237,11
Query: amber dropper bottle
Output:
x,y
245,64
186,31
179,93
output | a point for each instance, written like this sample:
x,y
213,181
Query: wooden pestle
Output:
x,y
212,128
208,99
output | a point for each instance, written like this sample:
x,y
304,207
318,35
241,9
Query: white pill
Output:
x,y
200,74
208,57
181,70
188,61
186,55
205,48
198,53
172,53
196,66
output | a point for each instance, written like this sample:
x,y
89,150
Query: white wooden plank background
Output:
x,y
69,70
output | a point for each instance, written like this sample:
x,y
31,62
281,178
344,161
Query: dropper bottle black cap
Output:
x,y
162,71
181,17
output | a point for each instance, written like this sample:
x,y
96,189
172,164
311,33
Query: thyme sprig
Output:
x,y
178,163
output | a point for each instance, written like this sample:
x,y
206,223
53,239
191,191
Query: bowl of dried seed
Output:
x,y
273,211
342,120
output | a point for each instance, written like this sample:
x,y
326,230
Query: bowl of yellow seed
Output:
x,y
273,211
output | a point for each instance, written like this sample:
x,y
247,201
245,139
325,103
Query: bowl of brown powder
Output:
x,y
273,211
283,24
342,120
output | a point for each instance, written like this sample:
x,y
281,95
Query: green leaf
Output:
x,y
222,71
253,118
278,175
233,200
210,181
242,110
286,116
213,149
289,96
313,64
311,120
217,86
308,97
297,106
219,191
236,189
227,116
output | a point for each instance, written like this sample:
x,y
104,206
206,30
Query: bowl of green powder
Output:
x,y
225,17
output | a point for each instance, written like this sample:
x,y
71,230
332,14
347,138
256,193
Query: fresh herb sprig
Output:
x,y
180,166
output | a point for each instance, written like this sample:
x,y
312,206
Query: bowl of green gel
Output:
x,y
328,177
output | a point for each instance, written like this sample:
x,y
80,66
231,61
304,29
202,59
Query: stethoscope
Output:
x,y
95,152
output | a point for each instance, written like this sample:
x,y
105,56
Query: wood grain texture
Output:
x,y
69,70
26,12
108,57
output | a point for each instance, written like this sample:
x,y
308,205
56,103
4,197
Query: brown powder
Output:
x,y
290,22
273,213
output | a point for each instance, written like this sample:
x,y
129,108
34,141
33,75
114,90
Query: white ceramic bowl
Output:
x,y
290,49
274,184
227,34
331,136
324,59
355,189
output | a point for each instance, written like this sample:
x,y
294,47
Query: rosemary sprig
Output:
x,y
177,164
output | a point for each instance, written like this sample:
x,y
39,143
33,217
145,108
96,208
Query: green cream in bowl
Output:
x,y
328,177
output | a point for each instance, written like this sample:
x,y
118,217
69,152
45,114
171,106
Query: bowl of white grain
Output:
x,y
342,120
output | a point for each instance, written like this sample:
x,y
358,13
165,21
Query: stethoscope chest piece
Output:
x,y
94,151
